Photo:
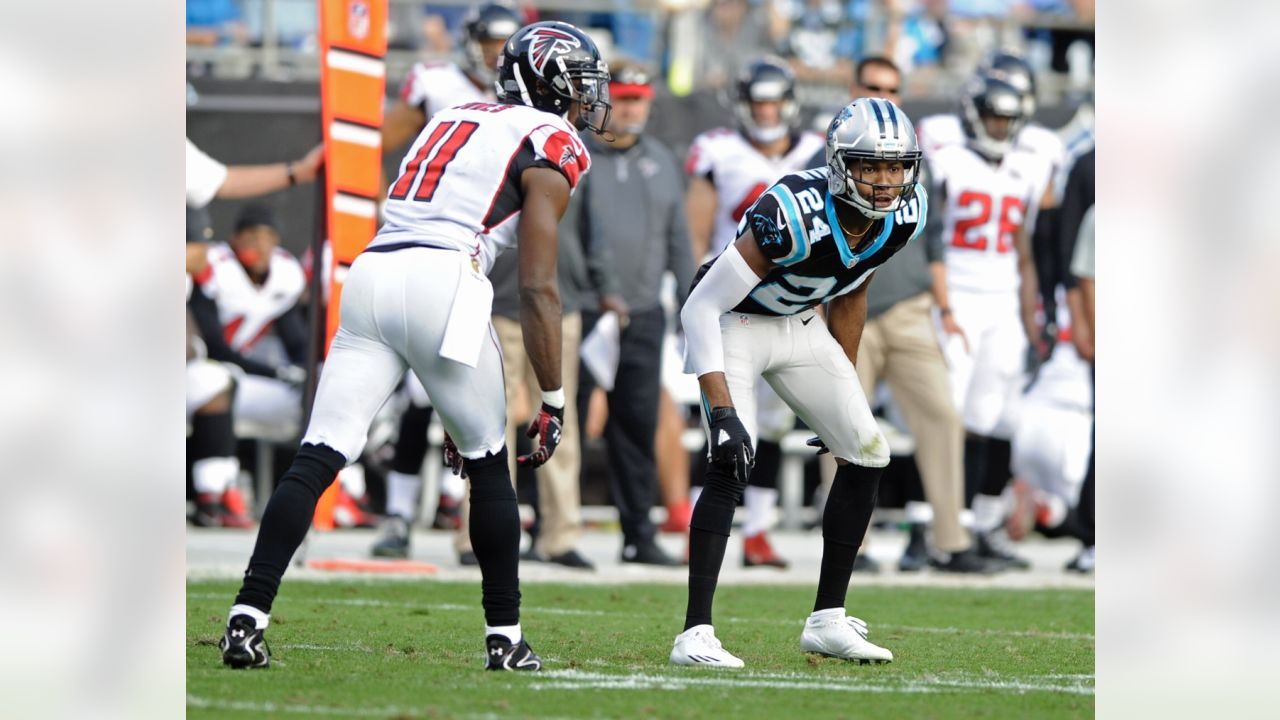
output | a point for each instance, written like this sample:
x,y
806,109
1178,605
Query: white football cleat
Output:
x,y
698,646
841,636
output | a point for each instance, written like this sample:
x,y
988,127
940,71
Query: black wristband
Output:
x,y
555,412
720,413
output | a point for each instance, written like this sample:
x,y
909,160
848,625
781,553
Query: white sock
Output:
x,y
214,475
966,518
452,485
988,511
828,614
919,512
695,492
260,619
760,504
352,479
402,494
510,632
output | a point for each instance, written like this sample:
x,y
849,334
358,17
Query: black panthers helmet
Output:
x,y
1014,70
550,66
491,21
989,96
767,78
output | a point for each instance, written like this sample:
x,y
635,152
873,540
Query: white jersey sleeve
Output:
x,y
459,185
938,131
204,176
432,87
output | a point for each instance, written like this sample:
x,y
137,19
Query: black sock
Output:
x,y
212,435
764,474
495,537
999,458
844,524
708,535
1085,506
975,466
285,522
411,445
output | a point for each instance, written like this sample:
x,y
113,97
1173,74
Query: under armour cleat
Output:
x,y
842,637
698,646
243,645
502,654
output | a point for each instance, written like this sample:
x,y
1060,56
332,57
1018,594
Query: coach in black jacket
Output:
x,y
633,201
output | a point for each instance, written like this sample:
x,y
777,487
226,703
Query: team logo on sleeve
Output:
x,y
766,230
546,43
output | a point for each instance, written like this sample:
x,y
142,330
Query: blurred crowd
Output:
x,y
695,45
635,232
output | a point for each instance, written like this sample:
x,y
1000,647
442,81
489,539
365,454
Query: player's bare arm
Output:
x,y
546,194
846,316
244,181
1029,289
718,293
700,207
402,124
1080,303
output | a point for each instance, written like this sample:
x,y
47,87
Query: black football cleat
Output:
x,y
501,654
394,542
243,645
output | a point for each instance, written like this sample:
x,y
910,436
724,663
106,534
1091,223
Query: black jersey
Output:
x,y
794,224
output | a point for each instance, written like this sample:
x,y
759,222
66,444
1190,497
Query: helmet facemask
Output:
x,y
589,87
993,102
845,173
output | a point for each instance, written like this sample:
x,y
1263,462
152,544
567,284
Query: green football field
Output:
x,y
415,650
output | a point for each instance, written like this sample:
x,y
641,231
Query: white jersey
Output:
x,y
944,130
473,205
1064,380
245,310
434,86
741,174
986,207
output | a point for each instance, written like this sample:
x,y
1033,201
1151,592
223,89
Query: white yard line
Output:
x,y
391,711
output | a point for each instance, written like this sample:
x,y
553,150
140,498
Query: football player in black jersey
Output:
x,y
815,237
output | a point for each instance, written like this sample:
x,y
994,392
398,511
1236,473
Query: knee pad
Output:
x,y
315,467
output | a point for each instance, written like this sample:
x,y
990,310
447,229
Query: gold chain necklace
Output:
x,y
845,230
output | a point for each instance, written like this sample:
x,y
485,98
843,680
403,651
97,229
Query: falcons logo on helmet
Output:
x,y
546,43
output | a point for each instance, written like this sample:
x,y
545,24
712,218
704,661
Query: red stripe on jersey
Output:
x,y
752,195
692,162
561,150
438,163
204,275
401,189
229,330
407,88
505,173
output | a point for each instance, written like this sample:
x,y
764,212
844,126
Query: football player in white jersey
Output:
x,y
814,237
988,189
427,89
433,86
729,169
479,177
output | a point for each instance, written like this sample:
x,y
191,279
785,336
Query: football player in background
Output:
x,y
814,237
479,177
988,189
729,169
429,88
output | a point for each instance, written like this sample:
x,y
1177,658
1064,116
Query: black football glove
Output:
x,y
730,443
452,458
546,427
816,442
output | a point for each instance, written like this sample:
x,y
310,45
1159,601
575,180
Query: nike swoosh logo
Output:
x,y
806,321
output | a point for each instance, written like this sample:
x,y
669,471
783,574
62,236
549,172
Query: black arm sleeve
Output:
x,y
292,328
205,313
935,244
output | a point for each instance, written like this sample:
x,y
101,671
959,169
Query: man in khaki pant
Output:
x,y
900,346
559,496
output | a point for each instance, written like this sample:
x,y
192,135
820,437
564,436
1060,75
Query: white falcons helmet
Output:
x,y
871,129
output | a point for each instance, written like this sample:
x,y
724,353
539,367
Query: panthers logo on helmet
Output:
x,y
546,43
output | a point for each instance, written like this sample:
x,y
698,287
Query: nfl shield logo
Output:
x,y
358,19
